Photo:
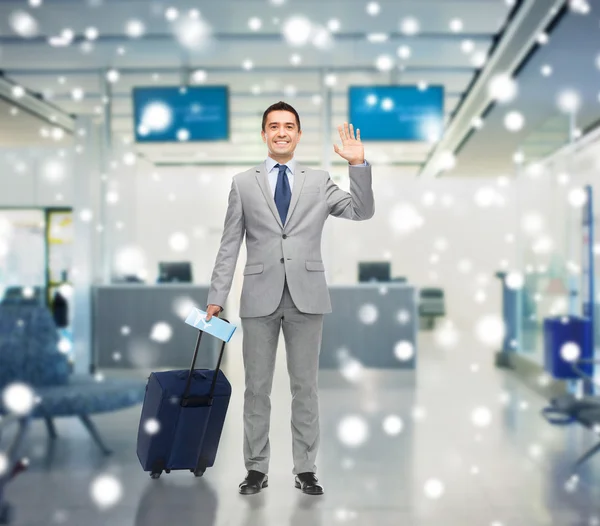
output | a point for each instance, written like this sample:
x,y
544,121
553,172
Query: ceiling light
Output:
x,y
192,34
404,52
373,8
514,121
77,94
297,30
112,76
456,25
384,63
91,33
23,24
135,28
447,161
409,26
467,46
477,123
502,88
58,134
290,91
519,157
199,76
67,34
18,92
377,37
569,101
478,59
57,42
579,6
330,80
255,23
171,14
322,38
333,25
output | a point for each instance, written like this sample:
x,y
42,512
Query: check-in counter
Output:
x,y
368,322
143,326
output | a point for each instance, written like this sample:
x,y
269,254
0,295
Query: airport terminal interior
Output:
x,y
457,383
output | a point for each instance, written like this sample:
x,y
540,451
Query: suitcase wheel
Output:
x,y
155,475
167,471
198,472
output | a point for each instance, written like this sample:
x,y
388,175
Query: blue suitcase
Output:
x,y
190,411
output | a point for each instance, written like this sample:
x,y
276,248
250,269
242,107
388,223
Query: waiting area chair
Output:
x,y
432,305
29,354
569,409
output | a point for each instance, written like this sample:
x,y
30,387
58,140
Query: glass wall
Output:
x,y
22,252
36,260
550,240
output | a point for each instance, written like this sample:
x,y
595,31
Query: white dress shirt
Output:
x,y
273,172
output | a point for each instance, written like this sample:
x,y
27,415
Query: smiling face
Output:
x,y
281,135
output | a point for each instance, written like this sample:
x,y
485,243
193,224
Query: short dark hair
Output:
x,y
280,106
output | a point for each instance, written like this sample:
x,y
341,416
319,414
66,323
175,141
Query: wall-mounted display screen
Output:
x,y
180,114
397,113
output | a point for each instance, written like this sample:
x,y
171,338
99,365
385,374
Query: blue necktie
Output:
x,y
283,194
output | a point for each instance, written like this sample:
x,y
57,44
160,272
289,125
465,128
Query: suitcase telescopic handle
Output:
x,y
185,399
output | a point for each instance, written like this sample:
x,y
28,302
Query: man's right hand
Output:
x,y
213,310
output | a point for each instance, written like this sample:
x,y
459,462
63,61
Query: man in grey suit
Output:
x,y
281,207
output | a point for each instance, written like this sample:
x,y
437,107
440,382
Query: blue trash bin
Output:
x,y
563,329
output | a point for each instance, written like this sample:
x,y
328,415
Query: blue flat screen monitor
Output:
x,y
175,272
397,113
374,271
176,114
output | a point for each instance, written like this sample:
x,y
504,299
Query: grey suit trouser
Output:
x,y
302,334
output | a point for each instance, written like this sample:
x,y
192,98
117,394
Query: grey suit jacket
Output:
x,y
274,250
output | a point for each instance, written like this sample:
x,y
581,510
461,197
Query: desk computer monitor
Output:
x,y
374,271
179,271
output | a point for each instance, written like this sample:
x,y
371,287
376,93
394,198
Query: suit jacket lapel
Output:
x,y
262,179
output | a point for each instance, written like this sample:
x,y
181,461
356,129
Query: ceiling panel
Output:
x,y
157,59
110,16
572,52
22,128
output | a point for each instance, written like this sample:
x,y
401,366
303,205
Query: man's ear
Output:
x,y
299,135
264,138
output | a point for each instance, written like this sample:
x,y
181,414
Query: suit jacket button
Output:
x,y
284,236
281,260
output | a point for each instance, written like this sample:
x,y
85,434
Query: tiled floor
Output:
x,y
511,472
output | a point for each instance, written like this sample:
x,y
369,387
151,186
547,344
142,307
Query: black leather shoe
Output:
x,y
308,483
254,482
